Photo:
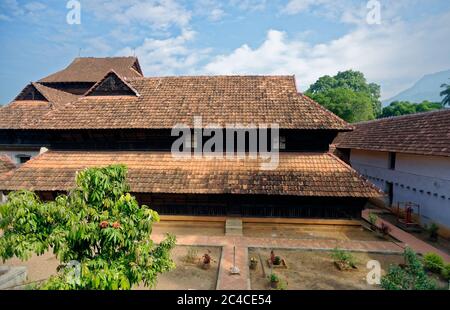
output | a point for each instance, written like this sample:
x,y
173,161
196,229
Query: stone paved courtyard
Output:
x,y
214,236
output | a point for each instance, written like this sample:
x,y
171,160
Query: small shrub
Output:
x,y
432,230
191,256
282,285
253,263
385,229
206,259
273,278
277,261
344,258
446,272
433,262
411,276
373,219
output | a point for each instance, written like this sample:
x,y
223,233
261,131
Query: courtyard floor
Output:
x,y
303,240
315,270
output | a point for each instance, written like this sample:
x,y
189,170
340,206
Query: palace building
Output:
x,y
100,111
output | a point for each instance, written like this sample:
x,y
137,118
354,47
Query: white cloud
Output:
x,y
249,5
216,15
296,6
35,6
5,18
348,11
159,14
168,56
212,9
97,46
393,54
12,9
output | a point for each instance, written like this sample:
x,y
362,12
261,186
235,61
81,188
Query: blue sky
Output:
x,y
308,38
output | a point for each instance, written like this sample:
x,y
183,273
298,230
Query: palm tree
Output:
x,y
446,94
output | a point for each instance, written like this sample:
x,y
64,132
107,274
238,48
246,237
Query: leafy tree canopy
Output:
x,y
398,108
98,226
348,95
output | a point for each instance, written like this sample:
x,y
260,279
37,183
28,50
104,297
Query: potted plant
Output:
x,y
274,280
373,220
253,263
191,256
277,261
272,257
206,261
433,262
343,260
433,230
384,230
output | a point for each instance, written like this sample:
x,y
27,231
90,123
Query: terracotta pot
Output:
x,y
206,266
274,284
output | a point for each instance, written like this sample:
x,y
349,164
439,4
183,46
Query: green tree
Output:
x,y
347,104
412,276
427,106
349,86
98,224
446,94
398,108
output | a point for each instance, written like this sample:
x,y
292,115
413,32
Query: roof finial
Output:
x,y
134,52
79,52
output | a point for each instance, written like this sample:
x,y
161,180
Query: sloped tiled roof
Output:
x,y
20,114
164,102
6,164
90,69
55,96
423,133
298,174
23,113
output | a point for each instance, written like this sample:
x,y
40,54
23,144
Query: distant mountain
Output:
x,y
427,88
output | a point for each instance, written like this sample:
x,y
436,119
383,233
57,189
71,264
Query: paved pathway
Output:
x,y
226,281
408,239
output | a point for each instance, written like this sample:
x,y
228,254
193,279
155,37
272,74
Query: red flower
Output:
x,y
116,225
104,224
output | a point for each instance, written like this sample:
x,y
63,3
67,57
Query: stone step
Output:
x,y
233,227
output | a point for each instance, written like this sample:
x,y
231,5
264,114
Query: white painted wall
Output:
x,y
14,153
424,180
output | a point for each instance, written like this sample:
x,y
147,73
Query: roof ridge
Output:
x,y
209,76
109,57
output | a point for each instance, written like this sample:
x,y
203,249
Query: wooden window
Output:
x,y
391,160
21,159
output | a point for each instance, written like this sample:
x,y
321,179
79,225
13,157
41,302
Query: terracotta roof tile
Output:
x,y
91,69
423,133
157,172
6,164
164,102
55,96
22,113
